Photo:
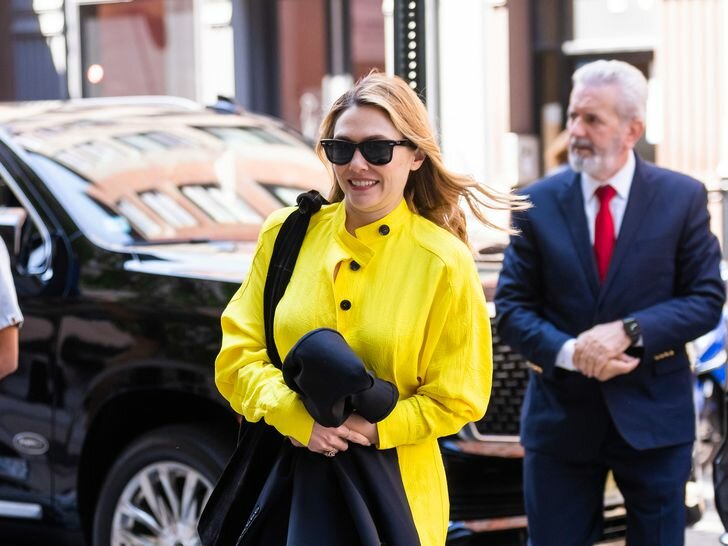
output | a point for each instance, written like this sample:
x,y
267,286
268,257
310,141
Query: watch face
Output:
x,y
632,329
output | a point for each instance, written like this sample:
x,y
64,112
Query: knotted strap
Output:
x,y
283,260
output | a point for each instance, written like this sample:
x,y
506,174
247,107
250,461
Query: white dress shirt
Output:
x,y
10,314
622,182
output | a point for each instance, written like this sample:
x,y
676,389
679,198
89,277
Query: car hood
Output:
x,y
217,261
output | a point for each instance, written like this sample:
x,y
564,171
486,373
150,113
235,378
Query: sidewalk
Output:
x,y
708,530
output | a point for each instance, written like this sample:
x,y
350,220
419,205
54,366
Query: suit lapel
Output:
x,y
640,197
572,207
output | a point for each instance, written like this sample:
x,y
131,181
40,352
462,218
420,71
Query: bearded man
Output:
x,y
615,269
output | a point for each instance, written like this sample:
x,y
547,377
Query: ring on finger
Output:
x,y
330,453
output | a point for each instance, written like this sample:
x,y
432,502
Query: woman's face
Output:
x,y
372,191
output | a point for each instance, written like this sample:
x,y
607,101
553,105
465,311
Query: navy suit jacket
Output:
x,y
664,272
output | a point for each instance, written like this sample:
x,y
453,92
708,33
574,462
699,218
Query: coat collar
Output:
x,y
640,199
571,201
369,237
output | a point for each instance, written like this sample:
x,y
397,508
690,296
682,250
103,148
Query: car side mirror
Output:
x,y
11,225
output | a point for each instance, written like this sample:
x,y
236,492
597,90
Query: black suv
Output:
x,y
131,224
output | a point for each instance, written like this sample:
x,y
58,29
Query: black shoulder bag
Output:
x,y
234,497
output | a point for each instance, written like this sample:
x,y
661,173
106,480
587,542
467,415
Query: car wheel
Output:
x,y
155,491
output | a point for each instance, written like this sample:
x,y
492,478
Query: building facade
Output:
x,y
498,71
273,56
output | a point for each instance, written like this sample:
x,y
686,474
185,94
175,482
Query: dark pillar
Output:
x,y
255,38
409,43
7,83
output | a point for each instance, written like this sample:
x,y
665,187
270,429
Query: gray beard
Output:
x,y
593,166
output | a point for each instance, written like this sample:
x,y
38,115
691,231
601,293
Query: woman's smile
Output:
x,y
362,185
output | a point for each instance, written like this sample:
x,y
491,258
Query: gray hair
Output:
x,y
630,82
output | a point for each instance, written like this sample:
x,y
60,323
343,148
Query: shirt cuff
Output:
x,y
565,358
291,418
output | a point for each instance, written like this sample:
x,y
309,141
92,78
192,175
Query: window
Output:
x,y
171,211
221,206
285,194
158,43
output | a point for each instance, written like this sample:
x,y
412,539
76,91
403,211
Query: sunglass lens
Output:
x,y
376,152
339,152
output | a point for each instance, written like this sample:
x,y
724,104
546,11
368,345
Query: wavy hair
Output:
x,y
432,191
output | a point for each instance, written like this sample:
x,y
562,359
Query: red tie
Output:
x,y
604,230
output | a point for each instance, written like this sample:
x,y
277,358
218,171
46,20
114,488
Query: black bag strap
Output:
x,y
283,260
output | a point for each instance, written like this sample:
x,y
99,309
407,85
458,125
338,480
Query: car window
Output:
x,y
286,195
223,207
251,135
153,175
92,217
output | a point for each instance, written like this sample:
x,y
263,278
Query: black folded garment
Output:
x,y
333,381
355,498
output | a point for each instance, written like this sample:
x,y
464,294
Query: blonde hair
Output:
x,y
432,191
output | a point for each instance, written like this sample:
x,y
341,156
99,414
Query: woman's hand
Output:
x,y
364,428
329,441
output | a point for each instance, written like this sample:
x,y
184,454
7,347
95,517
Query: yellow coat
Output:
x,y
416,315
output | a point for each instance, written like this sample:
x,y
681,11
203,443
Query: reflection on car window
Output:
x,y
89,153
223,207
149,175
167,208
155,140
140,219
71,191
285,194
249,135
141,142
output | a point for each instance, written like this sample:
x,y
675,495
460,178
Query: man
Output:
x,y
614,270
10,316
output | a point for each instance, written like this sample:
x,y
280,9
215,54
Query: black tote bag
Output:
x,y
230,510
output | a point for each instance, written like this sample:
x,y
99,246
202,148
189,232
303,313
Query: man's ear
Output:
x,y
635,129
418,160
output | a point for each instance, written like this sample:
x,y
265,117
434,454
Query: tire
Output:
x,y
155,491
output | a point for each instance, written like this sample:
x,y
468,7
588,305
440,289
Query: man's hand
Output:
x,y
595,347
617,366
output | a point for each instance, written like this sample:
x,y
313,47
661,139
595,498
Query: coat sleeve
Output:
x,y
456,363
519,300
244,373
699,292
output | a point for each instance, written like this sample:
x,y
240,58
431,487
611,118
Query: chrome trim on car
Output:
x,y
30,443
520,522
45,270
506,450
22,510
471,430
495,524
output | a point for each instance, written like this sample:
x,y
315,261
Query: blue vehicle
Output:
x,y
710,382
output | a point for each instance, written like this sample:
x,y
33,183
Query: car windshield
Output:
x,y
141,175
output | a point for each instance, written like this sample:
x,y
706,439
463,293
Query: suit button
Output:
x,y
345,305
384,229
354,266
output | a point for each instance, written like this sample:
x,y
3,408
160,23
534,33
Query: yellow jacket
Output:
x,y
406,296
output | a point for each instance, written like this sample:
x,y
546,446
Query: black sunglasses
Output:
x,y
376,152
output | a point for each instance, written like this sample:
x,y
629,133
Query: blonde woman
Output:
x,y
387,265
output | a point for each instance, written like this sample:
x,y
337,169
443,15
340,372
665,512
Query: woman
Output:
x,y
387,265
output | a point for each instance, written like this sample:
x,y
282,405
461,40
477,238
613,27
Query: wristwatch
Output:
x,y
632,329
